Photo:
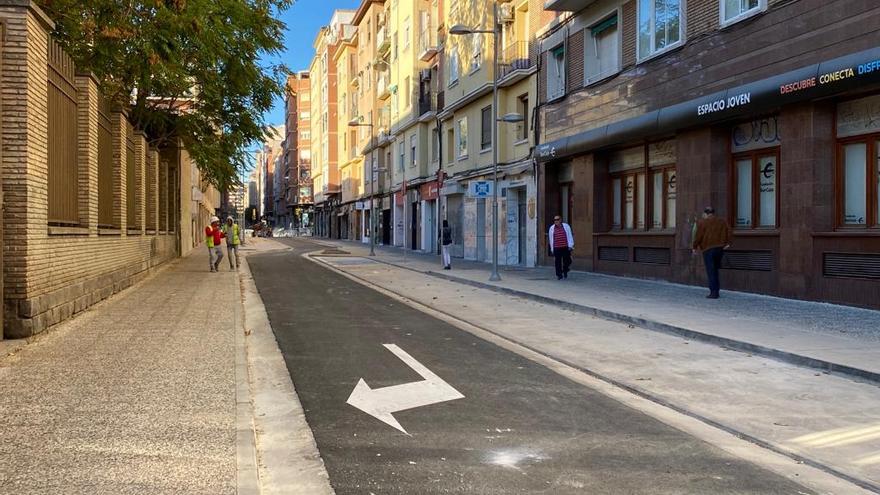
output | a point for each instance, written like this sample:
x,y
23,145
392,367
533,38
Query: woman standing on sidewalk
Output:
x,y
446,241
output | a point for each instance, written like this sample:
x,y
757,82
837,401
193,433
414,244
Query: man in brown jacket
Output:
x,y
712,237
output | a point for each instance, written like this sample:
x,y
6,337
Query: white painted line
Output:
x,y
381,403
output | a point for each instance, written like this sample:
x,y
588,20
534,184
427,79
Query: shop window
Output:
x,y
643,187
556,73
737,10
859,162
660,26
755,185
601,50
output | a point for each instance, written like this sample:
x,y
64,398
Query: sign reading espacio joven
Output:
x,y
765,95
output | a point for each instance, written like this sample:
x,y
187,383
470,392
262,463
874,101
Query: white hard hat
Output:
x,y
214,219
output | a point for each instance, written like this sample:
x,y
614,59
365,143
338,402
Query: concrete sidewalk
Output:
x,y
135,395
826,336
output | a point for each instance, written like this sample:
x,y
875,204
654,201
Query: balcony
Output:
x,y
383,90
428,103
355,80
567,5
427,44
383,41
516,63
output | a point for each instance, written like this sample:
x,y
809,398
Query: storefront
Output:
x,y
428,194
791,161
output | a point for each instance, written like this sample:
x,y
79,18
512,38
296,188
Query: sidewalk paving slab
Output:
x,y
819,335
135,395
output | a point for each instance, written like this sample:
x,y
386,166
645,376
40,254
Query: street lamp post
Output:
x,y
459,29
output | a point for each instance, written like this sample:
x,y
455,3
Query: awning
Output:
x,y
804,84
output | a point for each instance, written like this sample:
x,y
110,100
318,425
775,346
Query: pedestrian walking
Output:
x,y
445,242
213,238
233,240
561,246
712,236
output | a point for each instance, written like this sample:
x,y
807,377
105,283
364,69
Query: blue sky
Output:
x,y
303,21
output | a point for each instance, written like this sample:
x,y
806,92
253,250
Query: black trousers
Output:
x,y
562,257
712,259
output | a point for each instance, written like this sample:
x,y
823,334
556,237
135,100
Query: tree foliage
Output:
x,y
187,69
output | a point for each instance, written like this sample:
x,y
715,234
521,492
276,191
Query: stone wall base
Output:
x,y
28,317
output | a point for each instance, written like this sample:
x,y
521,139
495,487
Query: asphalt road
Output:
x,y
520,428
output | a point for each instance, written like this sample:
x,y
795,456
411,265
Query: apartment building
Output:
x,y
373,116
350,214
266,161
324,123
466,129
297,109
763,109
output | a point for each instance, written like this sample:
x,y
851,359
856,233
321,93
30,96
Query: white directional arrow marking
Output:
x,y
381,403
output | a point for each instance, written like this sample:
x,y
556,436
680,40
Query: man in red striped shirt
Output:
x,y
561,244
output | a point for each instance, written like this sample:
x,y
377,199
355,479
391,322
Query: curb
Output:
x,y
656,326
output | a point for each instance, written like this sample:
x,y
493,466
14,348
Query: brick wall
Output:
x,y
52,272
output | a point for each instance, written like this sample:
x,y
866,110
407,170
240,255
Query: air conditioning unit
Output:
x,y
505,12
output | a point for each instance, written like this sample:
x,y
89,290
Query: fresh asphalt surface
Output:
x,y
519,429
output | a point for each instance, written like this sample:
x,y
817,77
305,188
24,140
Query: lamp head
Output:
x,y
460,29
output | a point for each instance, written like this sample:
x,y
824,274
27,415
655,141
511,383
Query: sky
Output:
x,y
303,20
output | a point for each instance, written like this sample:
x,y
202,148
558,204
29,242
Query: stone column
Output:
x,y
87,151
140,163
24,93
152,190
119,123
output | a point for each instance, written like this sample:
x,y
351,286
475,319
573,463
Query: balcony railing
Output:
x,y
427,44
383,41
516,56
383,91
428,102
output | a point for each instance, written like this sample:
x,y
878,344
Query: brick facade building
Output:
x,y
766,112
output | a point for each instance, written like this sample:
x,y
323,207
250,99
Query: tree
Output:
x,y
186,69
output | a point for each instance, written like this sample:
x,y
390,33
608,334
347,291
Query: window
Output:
x,y
450,147
643,194
412,151
477,54
522,129
736,10
435,145
755,186
556,73
406,34
486,129
304,115
660,26
366,170
305,135
858,173
401,151
453,68
601,50
406,92
462,138
394,46
755,148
